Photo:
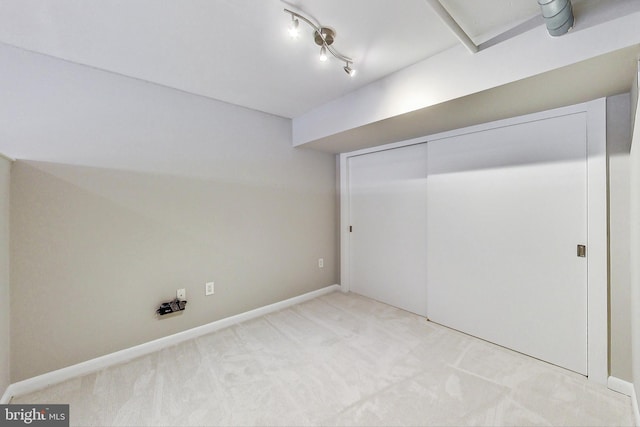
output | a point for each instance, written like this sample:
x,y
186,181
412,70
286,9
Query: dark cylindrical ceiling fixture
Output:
x,y
558,15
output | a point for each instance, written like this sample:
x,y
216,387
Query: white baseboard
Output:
x,y
621,386
4,156
625,387
634,404
41,381
6,397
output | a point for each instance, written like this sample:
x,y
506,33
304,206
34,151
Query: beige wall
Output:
x,y
5,167
127,191
95,251
618,147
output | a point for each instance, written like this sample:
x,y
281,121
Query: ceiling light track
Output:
x,y
323,37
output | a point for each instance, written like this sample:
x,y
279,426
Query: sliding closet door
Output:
x,y
507,208
387,204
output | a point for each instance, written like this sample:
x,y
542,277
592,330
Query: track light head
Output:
x,y
294,31
349,70
323,54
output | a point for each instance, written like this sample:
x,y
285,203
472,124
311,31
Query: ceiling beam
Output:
x,y
453,25
605,75
454,73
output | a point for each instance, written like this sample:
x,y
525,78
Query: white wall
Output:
x,y
634,167
5,167
125,191
618,147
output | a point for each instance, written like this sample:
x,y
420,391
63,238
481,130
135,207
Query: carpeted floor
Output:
x,y
340,359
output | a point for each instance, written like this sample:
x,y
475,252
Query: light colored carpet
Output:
x,y
340,359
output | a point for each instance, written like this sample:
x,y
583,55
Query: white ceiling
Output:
x,y
238,51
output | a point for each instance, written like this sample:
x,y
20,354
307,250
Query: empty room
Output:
x,y
319,212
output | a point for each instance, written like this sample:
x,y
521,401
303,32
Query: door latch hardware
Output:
x,y
582,251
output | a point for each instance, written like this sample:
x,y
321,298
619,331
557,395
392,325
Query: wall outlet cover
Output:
x,y
209,288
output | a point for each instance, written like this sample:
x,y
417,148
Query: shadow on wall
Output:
x,y
94,252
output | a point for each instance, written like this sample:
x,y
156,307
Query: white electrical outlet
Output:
x,y
209,288
181,294
320,262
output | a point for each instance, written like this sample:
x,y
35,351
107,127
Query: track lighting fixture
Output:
x,y
323,37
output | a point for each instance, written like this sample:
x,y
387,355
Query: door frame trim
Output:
x,y
597,217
